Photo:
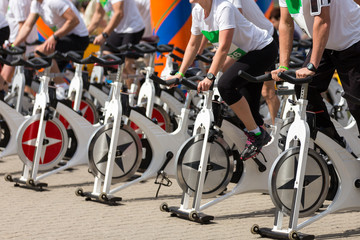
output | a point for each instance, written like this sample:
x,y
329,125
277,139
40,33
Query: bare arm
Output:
x,y
286,36
225,40
71,21
321,30
25,30
118,14
357,1
96,18
190,52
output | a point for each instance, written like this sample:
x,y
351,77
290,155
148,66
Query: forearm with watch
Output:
x,y
321,32
114,21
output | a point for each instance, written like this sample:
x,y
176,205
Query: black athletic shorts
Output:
x,y
71,42
4,34
119,39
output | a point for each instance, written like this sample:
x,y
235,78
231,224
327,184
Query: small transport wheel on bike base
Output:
x,y
8,177
192,215
79,192
128,153
219,168
164,207
270,233
255,229
315,186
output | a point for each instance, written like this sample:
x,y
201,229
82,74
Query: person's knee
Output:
x,y
268,93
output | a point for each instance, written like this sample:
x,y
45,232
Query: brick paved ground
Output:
x,y
59,214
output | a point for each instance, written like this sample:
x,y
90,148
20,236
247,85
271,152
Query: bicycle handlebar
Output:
x,y
163,48
170,82
295,62
107,60
188,82
290,76
249,78
144,48
203,58
34,43
12,50
35,63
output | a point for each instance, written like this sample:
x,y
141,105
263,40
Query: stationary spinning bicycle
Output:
x,y
42,139
163,146
11,118
208,161
312,166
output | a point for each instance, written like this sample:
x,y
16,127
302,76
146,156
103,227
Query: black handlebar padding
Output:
x,y
248,77
290,76
170,82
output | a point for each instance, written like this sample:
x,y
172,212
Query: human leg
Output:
x,y
272,101
235,92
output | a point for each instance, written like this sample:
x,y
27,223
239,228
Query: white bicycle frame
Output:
x,y
161,143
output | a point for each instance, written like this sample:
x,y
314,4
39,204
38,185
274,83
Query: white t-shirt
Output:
x,y
18,11
4,6
253,13
131,21
3,22
344,14
51,12
224,15
144,10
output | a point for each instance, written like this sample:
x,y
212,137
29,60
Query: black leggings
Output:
x,y
347,64
232,88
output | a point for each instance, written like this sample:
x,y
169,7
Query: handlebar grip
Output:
x,y
179,50
163,48
351,98
304,43
34,43
35,63
290,76
38,63
175,57
144,48
190,84
295,62
110,59
203,58
248,77
13,50
73,56
118,49
4,61
164,82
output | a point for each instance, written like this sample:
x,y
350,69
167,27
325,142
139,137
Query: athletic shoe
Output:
x,y
254,144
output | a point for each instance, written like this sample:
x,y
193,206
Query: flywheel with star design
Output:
x,y
161,117
315,187
53,146
88,111
219,168
127,156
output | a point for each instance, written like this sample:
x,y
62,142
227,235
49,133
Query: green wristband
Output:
x,y
283,67
181,74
